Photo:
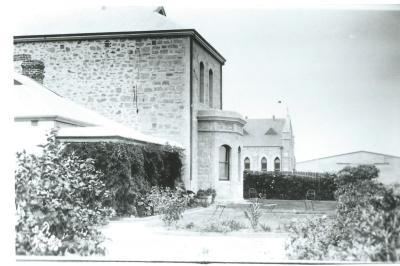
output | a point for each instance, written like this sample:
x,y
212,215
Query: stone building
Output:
x,y
388,165
138,68
268,145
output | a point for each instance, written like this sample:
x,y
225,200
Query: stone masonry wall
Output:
x,y
209,144
200,55
102,75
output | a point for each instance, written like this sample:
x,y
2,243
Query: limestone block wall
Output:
x,y
255,154
104,74
201,55
210,63
216,130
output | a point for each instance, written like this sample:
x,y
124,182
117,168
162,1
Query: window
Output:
x,y
201,82
264,164
210,88
277,164
247,163
224,156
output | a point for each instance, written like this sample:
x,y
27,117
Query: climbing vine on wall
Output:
x,y
131,170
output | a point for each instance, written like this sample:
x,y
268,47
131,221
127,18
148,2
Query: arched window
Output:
x,y
247,163
224,162
277,164
264,164
201,82
210,88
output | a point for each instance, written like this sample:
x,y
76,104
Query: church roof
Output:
x,y
258,132
32,101
103,23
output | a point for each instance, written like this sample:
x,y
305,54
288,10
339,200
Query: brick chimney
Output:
x,y
33,69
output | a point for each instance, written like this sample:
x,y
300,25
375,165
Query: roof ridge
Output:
x,y
347,153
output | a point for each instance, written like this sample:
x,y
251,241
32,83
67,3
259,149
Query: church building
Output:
x,y
268,145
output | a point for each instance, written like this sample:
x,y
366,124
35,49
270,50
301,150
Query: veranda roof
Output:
x,y
32,101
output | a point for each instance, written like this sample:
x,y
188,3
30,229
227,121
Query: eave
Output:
x,y
124,35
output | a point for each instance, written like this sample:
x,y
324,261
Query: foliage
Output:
x,y
202,193
278,186
131,170
253,213
366,226
223,226
170,204
59,202
265,227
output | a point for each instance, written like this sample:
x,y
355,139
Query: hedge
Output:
x,y
279,186
131,170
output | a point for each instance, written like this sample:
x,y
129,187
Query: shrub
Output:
x,y
253,213
265,227
170,204
59,201
204,193
366,226
131,170
223,226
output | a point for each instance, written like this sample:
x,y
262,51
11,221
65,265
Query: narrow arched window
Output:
x,y
210,88
264,164
247,163
224,161
277,164
201,82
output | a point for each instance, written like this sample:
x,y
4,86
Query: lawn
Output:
x,y
276,219
139,238
271,221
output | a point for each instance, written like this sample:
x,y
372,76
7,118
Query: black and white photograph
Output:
x,y
253,132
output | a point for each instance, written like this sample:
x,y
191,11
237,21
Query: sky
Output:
x,y
337,71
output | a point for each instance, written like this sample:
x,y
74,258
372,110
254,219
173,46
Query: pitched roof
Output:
x,y
256,130
92,20
348,153
103,22
32,101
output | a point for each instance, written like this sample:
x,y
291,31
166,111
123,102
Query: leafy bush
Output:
x,y
253,213
279,186
365,228
223,226
59,201
265,227
131,170
201,193
170,204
